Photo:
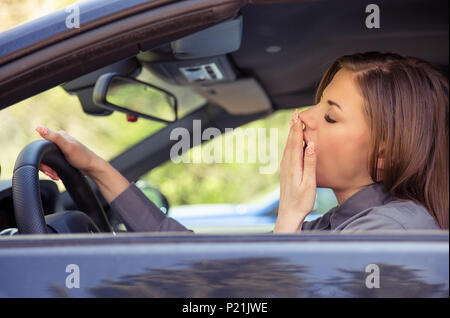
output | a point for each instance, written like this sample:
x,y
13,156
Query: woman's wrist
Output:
x,y
96,167
110,182
288,222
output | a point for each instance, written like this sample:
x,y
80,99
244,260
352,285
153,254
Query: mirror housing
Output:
x,y
116,92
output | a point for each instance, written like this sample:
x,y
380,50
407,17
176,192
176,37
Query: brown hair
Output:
x,y
406,109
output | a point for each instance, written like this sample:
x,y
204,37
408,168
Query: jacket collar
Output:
x,y
370,196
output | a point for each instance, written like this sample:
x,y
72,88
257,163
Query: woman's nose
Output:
x,y
306,118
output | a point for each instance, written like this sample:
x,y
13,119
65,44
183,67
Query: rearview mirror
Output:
x,y
128,95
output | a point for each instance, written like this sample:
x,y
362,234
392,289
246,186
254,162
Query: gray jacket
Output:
x,y
371,208
139,214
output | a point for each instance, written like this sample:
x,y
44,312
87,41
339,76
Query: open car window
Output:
x,y
240,196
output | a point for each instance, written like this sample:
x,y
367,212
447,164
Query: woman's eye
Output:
x,y
328,119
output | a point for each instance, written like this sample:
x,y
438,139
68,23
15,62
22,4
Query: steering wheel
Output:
x,y
26,193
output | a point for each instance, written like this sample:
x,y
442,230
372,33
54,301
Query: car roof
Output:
x,y
52,27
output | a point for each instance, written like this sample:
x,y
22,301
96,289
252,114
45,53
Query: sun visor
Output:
x,y
241,97
220,39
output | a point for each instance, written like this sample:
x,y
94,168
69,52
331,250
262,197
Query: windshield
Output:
x,y
107,135
56,109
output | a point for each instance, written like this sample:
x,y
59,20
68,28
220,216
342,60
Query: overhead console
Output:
x,y
200,61
194,72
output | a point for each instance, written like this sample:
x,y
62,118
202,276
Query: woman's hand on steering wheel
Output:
x,y
77,154
109,181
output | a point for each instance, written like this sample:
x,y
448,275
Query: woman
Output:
x,y
377,136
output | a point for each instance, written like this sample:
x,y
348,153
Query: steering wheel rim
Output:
x,y
26,191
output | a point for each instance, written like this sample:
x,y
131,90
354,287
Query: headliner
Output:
x,y
313,34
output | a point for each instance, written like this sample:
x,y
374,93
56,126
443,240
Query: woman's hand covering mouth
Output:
x,y
297,180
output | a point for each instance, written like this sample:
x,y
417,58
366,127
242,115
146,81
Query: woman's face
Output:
x,y
342,146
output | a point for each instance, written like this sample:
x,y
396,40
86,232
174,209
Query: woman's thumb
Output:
x,y
309,163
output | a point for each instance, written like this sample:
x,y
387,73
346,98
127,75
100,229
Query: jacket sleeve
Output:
x,y
139,214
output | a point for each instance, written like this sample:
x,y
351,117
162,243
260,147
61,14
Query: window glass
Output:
x,y
230,197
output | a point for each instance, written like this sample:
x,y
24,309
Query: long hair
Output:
x,y
406,109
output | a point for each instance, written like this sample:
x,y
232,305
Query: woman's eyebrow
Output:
x,y
331,103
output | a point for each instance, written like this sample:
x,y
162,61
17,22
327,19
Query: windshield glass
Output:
x,y
56,109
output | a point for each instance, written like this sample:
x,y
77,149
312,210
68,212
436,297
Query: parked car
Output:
x,y
242,60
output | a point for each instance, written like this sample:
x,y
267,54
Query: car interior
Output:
x,y
244,60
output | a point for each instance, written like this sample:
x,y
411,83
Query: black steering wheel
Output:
x,y
26,192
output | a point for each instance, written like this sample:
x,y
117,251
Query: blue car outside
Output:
x,y
257,216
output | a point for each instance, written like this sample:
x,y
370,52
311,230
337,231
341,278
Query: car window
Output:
x,y
197,191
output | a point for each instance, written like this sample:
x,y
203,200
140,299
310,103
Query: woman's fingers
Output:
x,y
297,180
59,140
293,152
49,171
309,166
78,155
52,135
52,176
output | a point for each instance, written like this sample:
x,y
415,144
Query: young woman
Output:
x,y
377,136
